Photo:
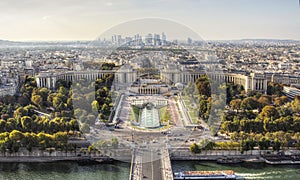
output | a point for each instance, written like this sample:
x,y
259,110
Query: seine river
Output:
x,y
120,171
246,170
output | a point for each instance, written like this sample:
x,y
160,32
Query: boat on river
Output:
x,y
213,175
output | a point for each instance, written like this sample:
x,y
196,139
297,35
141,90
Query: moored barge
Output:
x,y
213,175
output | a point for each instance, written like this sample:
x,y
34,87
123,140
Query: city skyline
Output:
x,y
33,20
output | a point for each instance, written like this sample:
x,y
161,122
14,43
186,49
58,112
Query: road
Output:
x,y
148,165
125,109
184,112
128,136
42,113
174,113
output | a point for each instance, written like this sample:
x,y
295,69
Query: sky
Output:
x,y
38,20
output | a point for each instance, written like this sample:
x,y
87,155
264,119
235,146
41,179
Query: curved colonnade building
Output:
x,y
125,77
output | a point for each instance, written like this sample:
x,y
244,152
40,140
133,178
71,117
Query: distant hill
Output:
x,y
6,43
271,40
258,41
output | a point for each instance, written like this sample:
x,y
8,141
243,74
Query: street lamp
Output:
x,y
132,136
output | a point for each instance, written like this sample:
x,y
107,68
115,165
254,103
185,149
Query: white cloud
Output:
x,y
46,18
109,4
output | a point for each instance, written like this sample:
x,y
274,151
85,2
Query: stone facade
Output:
x,y
126,76
8,90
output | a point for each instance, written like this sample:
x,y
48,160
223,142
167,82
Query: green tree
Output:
x,y
91,148
276,145
85,128
229,126
264,143
59,101
249,104
23,100
3,146
37,100
2,125
16,136
284,111
74,125
61,139
203,108
194,148
45,140
114,143
62,90
296,104
20,112
279,101
284,123
236,103
61,83
249,126
95,106
203,86
206,144
265,100
233,90
43,92
105,109
274,89
27,123
30,140
268,112
246,145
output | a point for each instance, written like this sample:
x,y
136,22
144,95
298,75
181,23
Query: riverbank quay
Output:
x,y
48,159
29,159
290,156
24,156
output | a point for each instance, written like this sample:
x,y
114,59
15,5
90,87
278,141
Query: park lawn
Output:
x,y
192,112
134,113
194,115
164,114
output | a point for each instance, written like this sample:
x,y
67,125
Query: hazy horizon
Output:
x,y
69,20
87,40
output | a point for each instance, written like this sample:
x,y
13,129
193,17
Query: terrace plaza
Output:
x,y
125,77
153,115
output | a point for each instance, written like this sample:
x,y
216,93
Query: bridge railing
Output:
x,y
131,174
166,165
136,167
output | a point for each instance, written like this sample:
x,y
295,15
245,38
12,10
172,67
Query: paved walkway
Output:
x,y
124,114
174,113
184,112
42,113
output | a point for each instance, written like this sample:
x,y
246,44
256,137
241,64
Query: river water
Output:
x,y
120,171
64,171
246,170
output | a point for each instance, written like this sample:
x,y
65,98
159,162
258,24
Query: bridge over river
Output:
x,y
150,164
